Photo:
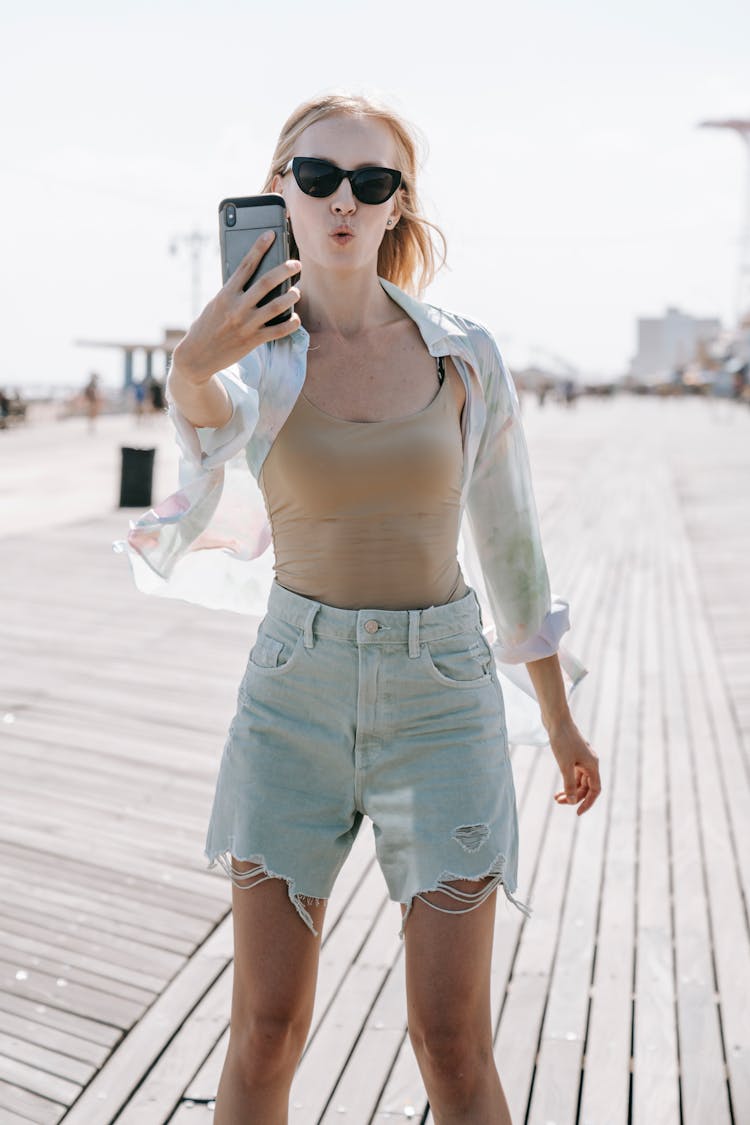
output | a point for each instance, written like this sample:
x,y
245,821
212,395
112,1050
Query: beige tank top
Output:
x,y
366,514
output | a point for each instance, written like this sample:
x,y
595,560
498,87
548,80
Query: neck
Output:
x,y
344,305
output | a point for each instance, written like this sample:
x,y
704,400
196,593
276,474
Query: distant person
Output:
x,y
542,393
157,396
569,392
372,688
17,406
139,399
93,400
4,409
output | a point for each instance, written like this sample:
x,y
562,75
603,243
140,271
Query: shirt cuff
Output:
x,y
545,642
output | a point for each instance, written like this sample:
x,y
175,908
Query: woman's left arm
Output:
x,y
529,623
578,763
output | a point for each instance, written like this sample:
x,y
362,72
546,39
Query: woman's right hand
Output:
x,y
231,325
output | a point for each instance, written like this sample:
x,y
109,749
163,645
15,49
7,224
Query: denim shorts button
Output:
x,y
372,626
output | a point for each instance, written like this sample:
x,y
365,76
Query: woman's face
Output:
x,y
349,143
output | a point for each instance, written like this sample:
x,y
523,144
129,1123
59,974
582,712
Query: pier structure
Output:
x,y
172,337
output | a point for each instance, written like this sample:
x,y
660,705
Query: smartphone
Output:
x,y
241,221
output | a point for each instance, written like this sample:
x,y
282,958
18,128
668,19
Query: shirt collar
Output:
x,y
436,326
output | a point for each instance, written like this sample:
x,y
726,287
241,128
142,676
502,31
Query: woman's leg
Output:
x,y
448,959
275,971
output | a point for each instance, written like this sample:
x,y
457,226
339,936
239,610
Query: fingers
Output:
x,y
274,308
280,304
251,261
586,789
278,331
283,272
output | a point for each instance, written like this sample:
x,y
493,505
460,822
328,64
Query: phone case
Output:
x,y
252,215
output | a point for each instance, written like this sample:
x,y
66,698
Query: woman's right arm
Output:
x,y
230,326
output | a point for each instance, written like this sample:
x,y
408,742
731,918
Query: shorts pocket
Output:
x,y
461,661
276,648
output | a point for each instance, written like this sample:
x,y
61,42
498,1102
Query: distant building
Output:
x,y
670,341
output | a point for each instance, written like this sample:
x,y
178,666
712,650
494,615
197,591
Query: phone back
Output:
x,y
241,221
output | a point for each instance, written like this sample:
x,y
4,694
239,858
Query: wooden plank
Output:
x,y
41,1058
36,1081
605,1094
721,871
127,1067
108,975
143,878
703,1087
71,1047
560,1055
367,1069
45,987
143,898
82,903
101,1036
160,1093
656,1086
19,1103
70,936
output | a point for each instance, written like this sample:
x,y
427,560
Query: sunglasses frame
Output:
x,y
344,174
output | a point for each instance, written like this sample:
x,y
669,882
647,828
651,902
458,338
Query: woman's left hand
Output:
x,y
579,766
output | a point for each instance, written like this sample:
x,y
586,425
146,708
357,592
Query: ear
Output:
x,y
277,184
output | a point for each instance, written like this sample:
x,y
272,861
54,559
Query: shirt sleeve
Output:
x,y
502,514
207,447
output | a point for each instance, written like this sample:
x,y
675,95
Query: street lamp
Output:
x,y
742,129
194,241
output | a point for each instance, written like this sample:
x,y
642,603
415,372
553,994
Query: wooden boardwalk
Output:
x,y
624,999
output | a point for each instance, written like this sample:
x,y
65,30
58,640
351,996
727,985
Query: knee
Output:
x,y
267,1045
455,1057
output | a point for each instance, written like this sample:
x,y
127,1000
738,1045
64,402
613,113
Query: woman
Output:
x,y
372,688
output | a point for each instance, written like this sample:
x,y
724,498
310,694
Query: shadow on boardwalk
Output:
x,y
624,998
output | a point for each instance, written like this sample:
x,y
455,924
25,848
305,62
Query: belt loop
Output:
x,y
311,613
414,615
479,608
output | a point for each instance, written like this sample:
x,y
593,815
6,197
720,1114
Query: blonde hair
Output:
x,y
407,254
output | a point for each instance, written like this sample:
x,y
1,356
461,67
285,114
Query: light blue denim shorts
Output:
x,y
395,715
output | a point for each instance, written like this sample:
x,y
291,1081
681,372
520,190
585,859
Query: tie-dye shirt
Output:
x,y
210,542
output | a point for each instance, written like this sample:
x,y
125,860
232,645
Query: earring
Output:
x,y
389,223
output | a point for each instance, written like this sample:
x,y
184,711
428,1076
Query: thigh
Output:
x,y
275,954
448,963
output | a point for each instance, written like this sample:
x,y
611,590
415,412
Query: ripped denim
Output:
x,y
393,715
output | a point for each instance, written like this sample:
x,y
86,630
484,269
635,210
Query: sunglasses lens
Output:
x,y
320,178
374,185
317,177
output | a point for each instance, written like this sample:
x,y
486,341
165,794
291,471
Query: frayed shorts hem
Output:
x,y
467,900
246,880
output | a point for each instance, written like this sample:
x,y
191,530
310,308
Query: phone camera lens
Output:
x,y
231,215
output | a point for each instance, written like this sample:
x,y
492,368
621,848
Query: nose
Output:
x,y
342,200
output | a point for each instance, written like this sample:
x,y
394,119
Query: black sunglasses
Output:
x,y
321,178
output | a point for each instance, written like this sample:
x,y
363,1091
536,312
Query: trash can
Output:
x,y
136,477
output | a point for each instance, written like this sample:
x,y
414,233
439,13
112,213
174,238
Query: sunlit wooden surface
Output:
x,y
624,998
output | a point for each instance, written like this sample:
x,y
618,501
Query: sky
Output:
x,y
562,160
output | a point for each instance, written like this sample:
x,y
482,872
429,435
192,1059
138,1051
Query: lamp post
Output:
x,y
742,129
194,241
